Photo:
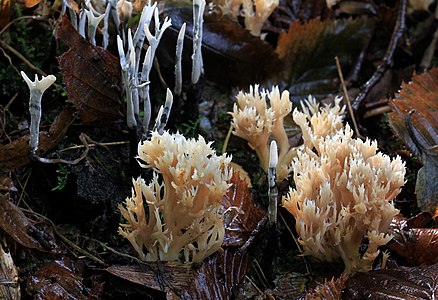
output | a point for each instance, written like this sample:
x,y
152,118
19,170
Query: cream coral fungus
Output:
x,y
256,123
343,194
177,218
254,12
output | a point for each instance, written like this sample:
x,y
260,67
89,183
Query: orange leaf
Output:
x,y
31,3
5,12
415,120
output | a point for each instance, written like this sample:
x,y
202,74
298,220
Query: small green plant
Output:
x,y
61,178
190,128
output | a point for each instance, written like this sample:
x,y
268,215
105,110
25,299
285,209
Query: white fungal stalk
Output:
x,y
37,89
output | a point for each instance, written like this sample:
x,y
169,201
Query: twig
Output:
x,y
66,240
260,272
84,139
376,111
227,139
428,55
254,285
347,98
387,59
103,245
22,58
95,144
35,18
296,242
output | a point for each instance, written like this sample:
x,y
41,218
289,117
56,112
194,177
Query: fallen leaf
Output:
x,y
214,279
416,246
17,154
415,120
307,53
227,48
242,212
31,3
9,285
58,280
399,283
15,223
91,75
5,12
329,290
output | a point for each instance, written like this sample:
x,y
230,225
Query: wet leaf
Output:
x,y
9,285
243,213
400,283
162,276
290,285
329,290
218,276
58,280
17,154
227,48
415,113
15,223
214,279
91,75
416,246
415,120
308,52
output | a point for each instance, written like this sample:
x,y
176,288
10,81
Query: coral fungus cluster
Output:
x,y
257,123
341,201
177,219
254,12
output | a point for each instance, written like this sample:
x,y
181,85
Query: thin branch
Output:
x,y
387,59
347,98
65,239
22,58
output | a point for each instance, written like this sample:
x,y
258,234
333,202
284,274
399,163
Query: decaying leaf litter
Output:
x,y
59,205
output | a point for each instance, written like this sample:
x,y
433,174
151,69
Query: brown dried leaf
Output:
x,y
243,213
5,12
91,75
15,223
415,120
227,48
162,276
57,280
416,246
307,52
17,154
214,279
400,283
415,112
9,285
329,290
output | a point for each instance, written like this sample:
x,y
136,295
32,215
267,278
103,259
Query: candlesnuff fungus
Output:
x,y
37,89
177,218
256,123
342,196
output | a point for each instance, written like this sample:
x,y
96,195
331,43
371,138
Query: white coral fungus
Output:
x,y
178,218
255,122
343,194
